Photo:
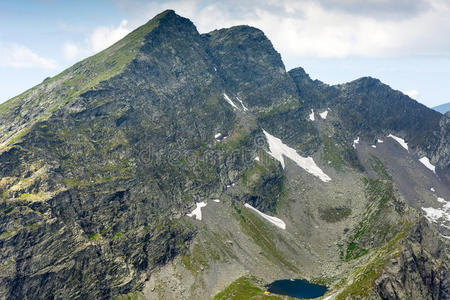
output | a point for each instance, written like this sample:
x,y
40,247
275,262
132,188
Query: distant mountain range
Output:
x,y
443,108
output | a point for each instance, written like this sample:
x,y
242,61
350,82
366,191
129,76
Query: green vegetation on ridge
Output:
x,y
53,93
242,289
263,236
378,224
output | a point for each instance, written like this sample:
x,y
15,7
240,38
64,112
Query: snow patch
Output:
x,y
446,203
257,158
434,214
197,212
311,115
275,221
426,162
220,137
324,114
229,101
278,149
355,142
400,141
242,103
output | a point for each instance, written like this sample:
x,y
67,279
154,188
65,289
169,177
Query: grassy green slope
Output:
x,y
39,102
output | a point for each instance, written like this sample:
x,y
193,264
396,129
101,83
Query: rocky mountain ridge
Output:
x,y
101,164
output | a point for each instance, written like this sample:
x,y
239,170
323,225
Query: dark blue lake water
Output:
x,y
297,288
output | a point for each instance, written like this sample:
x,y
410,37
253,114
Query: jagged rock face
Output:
x,y
119,163
99,165
383,108
309,89
442,155
421,270
372,109
250,66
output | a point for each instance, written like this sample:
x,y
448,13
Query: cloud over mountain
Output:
x,y
326,28
18,56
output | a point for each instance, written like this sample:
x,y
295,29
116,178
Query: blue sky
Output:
x,y
403,42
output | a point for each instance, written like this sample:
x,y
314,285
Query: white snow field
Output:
x,y
441,200
242,103
197,212
324,114
278,150
434,214
400,141
311,115
446,203
426,162
229,101
356,141
275,221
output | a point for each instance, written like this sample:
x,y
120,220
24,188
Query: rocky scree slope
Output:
x,y
100,164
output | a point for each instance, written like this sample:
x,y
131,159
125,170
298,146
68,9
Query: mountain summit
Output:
x,y
179,165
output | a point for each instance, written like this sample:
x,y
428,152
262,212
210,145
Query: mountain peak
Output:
x,y
169,21
366,81
300,73
168,14
112,157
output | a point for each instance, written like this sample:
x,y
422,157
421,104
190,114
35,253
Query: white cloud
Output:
x,y
97,40
18,56
307,29
71,51
103,37
412,93
326,28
